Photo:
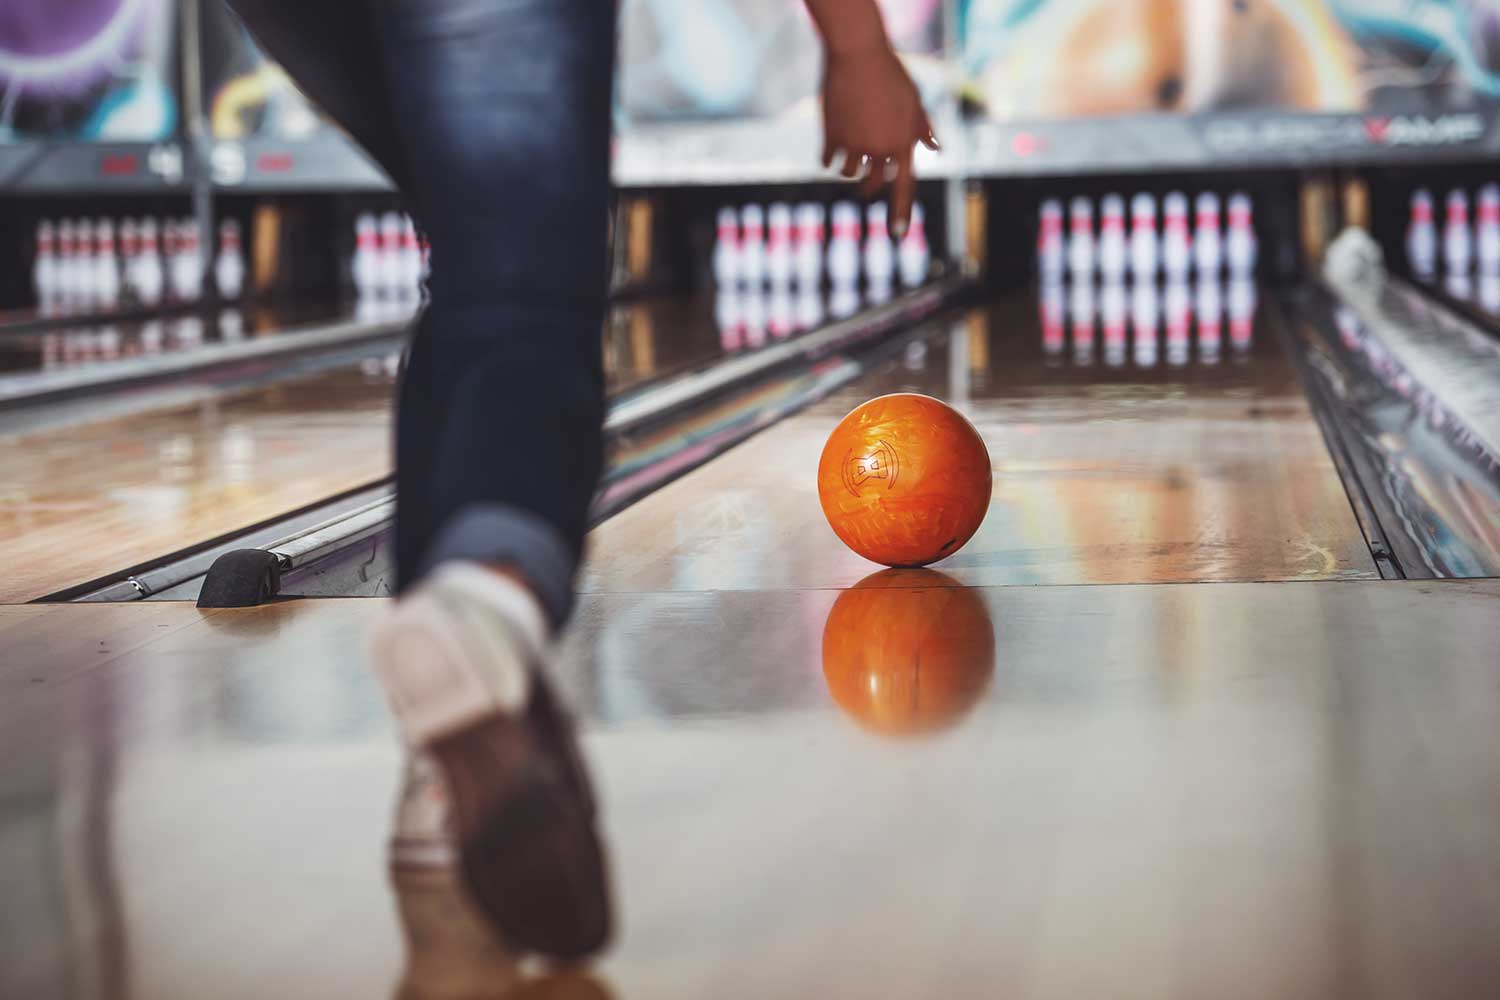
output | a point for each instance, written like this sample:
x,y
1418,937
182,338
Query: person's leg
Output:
x,y
504,109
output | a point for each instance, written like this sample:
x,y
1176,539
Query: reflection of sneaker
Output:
x,y
459,658
423,836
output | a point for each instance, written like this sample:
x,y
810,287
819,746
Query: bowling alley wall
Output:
x,y
133,114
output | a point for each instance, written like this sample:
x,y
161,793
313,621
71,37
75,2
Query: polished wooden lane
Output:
x,y
81,500
1203,472
1277,789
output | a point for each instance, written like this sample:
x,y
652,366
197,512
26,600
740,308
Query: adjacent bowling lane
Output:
x,y
1247,790
1124,451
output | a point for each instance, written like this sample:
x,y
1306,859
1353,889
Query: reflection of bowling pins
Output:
x,y
1112,252
1487,231
753,303
1081,240
843,246
1489,292
1049,241
779,260
913,257
1241,301
1145,311
1457,243
1176,249
1178,312
843,301
809,307
1421,236
727,248
1239,243
1053,323
752,246
728,316
1112,313
1209,307
1143,237
878,256
1207,242
1081,308
779,313
809,245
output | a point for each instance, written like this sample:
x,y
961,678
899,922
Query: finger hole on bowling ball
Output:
x,y
1169,92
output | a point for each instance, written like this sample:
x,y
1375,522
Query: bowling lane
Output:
x,y
1248,790
1187,453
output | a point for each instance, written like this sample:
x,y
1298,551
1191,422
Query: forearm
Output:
x,y
848,26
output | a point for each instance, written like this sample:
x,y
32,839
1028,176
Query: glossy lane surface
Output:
x,y
1133,473
1252,790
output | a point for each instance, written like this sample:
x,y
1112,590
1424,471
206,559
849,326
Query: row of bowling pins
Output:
x,y
1175,251
1144,308
80,265
390,260
776,245
1463,245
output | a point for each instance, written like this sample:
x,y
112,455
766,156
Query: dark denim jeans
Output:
x,y
492,116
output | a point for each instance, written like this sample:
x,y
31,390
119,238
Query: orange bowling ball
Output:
x,y
904,480
908,651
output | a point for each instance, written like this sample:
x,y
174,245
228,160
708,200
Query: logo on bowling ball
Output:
x,y
879,467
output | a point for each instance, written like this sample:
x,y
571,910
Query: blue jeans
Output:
x,y
492,117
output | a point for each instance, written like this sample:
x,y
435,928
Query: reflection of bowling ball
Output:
x,y
904,480
908,650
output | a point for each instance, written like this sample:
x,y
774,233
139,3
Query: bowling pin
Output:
x,y
1421,236
913,256
1207,241
779,260
44,263
150,277
843,246
1487,230
1143,237
1081,240
726,259
1489,292
365,267
1081,308
411,260
389,284
1239,241
1049,241
752,246
843,301
106,265
1458,285
1112,252
809,246
194,265
229,265
83,262
1457,240
879,258
1176,246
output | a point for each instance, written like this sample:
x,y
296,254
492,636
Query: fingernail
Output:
x,y
899,229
